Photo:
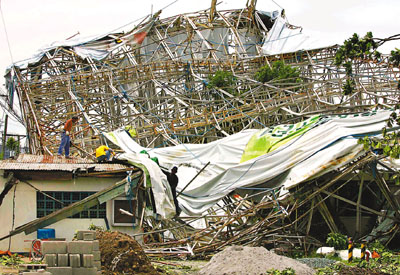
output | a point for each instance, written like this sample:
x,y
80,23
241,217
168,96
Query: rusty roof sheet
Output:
x,y
54,163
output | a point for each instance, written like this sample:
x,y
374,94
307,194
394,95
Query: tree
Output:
x,y
224,80
356,48
285,75
12,145
221,79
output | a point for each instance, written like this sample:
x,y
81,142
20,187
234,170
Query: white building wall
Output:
x,y
25,210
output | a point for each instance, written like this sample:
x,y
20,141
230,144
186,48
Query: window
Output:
x,y
119,218
46,205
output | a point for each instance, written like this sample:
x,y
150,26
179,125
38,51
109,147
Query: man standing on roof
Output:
x,y
173,182
65,136
103,153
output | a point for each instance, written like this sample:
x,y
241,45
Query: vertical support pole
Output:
x,y
358,210
3,148
363,251
350,248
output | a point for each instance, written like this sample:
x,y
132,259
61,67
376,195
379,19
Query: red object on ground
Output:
x,y
375,255
8,252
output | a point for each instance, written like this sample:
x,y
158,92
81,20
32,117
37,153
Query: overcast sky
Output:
x,y
33,24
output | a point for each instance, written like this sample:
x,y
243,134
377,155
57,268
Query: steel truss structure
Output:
x,y
159,86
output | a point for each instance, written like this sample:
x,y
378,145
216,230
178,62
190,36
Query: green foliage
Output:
x,y
337,240
95,227
286,271
352,49
395,57
278,71
221,79
348,87
332,269
35,262
166,269
12,260
296,252
12,144
388,145
357,48
388,263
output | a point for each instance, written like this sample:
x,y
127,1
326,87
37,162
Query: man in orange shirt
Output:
x,y
65,139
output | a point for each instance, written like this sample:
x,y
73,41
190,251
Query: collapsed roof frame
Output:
x,y
159,86
263,219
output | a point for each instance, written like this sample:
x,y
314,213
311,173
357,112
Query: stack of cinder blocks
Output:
x,y
80,257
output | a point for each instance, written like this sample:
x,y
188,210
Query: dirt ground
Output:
x,y
167,267
4,270
121,254
193,267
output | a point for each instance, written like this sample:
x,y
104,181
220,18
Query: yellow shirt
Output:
x,y
101,150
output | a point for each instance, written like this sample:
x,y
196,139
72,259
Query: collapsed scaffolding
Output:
x,y
155,79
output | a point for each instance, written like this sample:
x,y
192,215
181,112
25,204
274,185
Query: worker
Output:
x,y
103,153
65,136
173,182
130,131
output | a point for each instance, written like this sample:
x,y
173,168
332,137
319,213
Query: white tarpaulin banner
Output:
x,y
282,38
283,155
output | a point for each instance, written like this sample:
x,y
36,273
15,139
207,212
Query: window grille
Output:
x,y
46,205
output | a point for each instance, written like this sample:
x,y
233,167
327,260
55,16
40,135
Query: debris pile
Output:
x,y
120,254
251,260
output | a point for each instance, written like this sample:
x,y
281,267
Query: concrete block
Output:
x,y
54,247
96,245
84,271
50,260
91,236
31,267
79,234
64,270
97,264
74,260
62,260
80,247
96,255
87,260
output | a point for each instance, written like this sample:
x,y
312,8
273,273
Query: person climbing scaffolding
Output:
x,y
65,136
173,182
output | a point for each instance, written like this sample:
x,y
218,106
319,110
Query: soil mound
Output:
x,y
121,254
251,261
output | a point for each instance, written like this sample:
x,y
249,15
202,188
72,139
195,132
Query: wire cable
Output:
x,y
5,31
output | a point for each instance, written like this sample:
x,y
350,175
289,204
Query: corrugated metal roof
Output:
x,y
54,163
26,158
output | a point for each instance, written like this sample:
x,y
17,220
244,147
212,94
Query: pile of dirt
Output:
x,y
251,260
121,254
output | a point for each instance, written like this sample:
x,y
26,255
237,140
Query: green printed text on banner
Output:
x,y
269,139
